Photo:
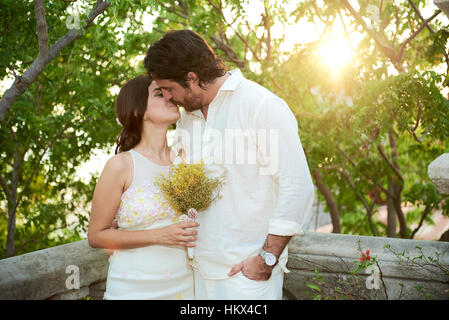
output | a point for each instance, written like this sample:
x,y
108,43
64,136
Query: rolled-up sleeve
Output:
x,y
291,173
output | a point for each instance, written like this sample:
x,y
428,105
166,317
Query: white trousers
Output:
x,y
239,287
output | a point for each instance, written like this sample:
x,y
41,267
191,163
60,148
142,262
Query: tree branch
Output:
x,y
38,236
368,208
267,25
22,83
364,175
220,11
387,50
41,28
418,119
330,201
4,214
174,11
403,45
38,162
390,164
4,186
230,53
426,212
419,15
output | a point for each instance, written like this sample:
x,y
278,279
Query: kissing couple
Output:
x,y
241,239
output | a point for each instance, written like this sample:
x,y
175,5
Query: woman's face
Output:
x,y
158,110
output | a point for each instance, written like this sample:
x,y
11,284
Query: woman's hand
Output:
x,y
177,234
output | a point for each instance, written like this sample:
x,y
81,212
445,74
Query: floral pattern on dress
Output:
x,y
143,205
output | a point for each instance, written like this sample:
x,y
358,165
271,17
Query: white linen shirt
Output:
x,y
270,195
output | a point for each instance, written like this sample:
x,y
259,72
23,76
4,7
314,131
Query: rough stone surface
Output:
x,y
333,255
96,290
438,172
443,5
42,274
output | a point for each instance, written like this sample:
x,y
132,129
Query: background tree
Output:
x,y
53,127
369,131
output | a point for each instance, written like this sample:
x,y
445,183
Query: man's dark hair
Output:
x,y
179,52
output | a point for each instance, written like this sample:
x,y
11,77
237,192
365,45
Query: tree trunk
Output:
x,y
13,201
398,186
331,204
10,244
401,217
391,213
445,236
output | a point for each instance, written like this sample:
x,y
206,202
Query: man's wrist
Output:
x,y
265,266
276,244
270,259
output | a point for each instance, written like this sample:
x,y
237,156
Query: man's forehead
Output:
x,y
165,83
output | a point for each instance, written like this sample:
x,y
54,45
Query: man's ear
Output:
x,y
192,77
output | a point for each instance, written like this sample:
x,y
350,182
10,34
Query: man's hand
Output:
x,y
114,224
253,268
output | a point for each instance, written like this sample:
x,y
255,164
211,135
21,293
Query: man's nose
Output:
x,y
167,96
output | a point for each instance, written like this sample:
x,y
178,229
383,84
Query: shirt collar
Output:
x,y
233,81
197,113
230,84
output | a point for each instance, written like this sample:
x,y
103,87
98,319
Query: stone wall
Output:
x,y
334,255
44,274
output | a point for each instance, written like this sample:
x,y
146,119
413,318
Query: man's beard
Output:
x,y
191,102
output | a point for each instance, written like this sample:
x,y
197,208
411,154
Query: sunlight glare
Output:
x,y
335,54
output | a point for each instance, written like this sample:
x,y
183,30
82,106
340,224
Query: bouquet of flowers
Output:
x,y
188,190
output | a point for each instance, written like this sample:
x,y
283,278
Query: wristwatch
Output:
x,y
268,257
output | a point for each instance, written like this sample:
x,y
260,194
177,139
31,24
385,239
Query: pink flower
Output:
x,y
192,213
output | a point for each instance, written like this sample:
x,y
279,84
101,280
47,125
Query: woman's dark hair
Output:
x,y
131,105
179,52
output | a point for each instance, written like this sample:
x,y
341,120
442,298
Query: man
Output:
x,y
241,251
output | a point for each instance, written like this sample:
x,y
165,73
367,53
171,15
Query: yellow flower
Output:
x,y
187,186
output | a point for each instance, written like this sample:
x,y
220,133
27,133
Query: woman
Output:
x,y
150,257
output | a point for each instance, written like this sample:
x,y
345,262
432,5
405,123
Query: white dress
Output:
x,y
155,271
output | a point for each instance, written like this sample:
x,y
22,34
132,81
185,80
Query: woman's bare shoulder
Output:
x,y
119,163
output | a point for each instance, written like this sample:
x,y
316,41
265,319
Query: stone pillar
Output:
x,y
438,171
443,5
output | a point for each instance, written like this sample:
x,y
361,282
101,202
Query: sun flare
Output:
x,y
335,54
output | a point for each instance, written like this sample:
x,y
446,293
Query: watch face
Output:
x,y
270,259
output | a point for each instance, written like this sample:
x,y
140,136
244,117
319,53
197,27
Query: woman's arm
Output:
x,y
106,200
